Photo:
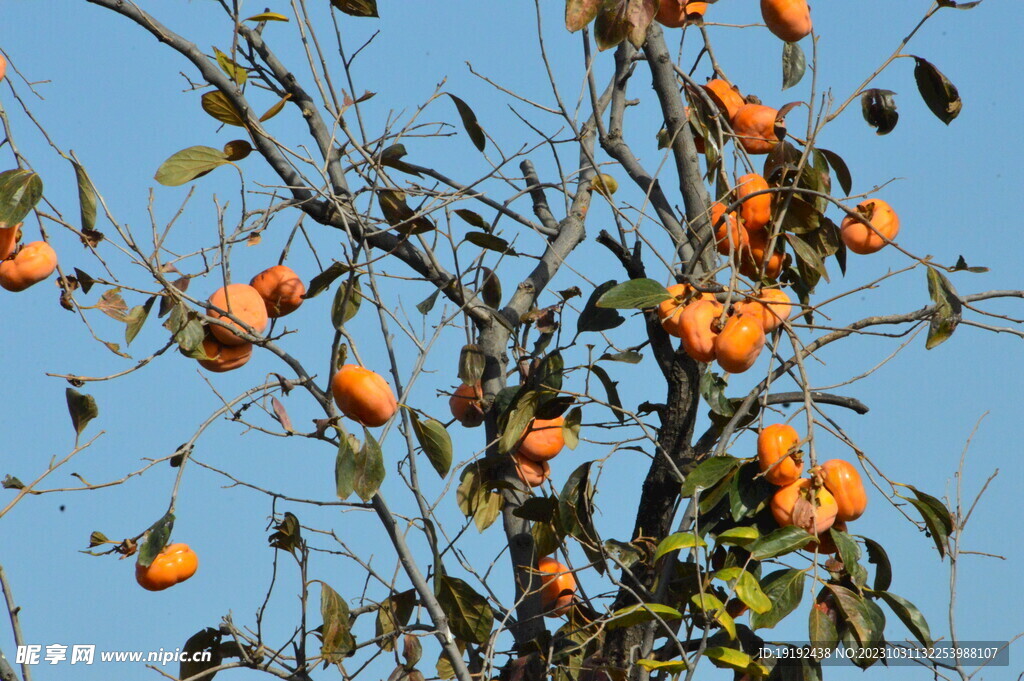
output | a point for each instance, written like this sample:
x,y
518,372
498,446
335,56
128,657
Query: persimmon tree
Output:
x,y
727,234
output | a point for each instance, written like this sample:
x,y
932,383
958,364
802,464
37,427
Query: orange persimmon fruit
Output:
x,y
771,306
224,357
789,20
777,456
859,237
800,504
533,473
280,288
173,565
33,263
246,304
754,126
698,330
739,343
843,481
726,96
543,440
467,406
558,587
9,240
363,395
756,212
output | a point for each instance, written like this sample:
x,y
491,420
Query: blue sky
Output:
x,y
114,95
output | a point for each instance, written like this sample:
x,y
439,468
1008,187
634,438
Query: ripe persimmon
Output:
x,y
739,343
800,504
671,309
726,96
730,237
467,405
843,481
754,126
756,212
533,473
789,20
558,587
676,13
9,240
173,565
280,288
543,440
777,455
861,238
363,395
753,263
224,357
697,324
246,304
3,67
33,263
771,307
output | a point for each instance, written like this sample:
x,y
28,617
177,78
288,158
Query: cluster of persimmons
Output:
x,y
832,496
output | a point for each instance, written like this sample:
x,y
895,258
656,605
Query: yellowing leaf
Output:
x,y
188,164
217,105
267,16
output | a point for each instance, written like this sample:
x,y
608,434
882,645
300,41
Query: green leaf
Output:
x,y
822,633
399,215
369,472
626,555
638,614
712,605
576,512
486,512
476,133
338,642
910,616
287,534
435,441
938,92
82,409
948,308
188,164
780,542
220,107
865,617
201,653
537,509
730,658
323,281
267,16
709,473
784,589
839,167
427,304
936,516
594,318
86,198
347,300
394,612
20,191
879,110
517,419
156,539
490,242
712,389
738,536
345,466
469,615
635,294
626,357
610,388
677,541
880,559
673,668
849,552
135,318
750,592
571,427
473,218
579,13
230,67
357,8
793,65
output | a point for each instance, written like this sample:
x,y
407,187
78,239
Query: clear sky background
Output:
x,y
110,92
